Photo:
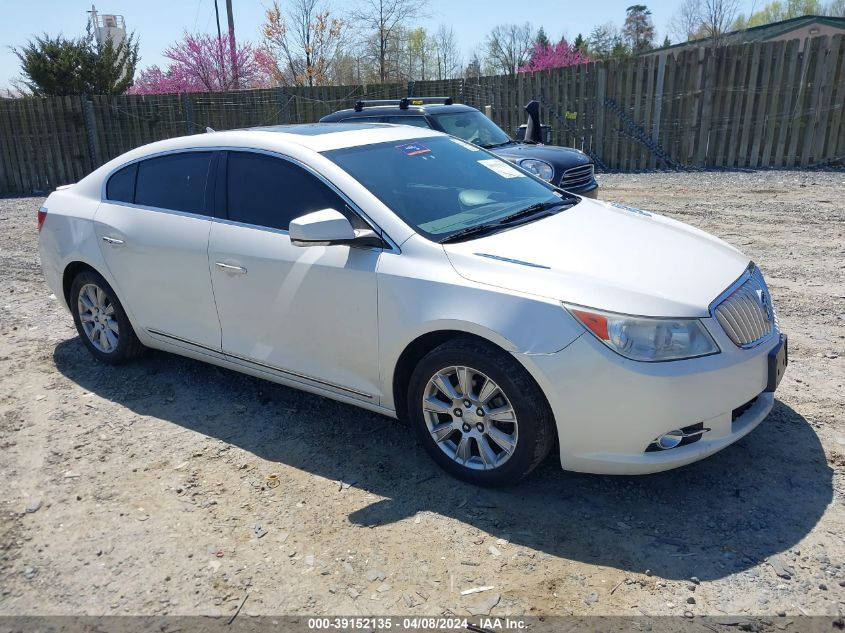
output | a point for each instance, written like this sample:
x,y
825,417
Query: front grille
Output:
x,y
747,315
577,176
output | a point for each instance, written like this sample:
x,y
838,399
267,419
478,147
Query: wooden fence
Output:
x,y
762,105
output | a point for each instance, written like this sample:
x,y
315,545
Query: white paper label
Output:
x,y
501,168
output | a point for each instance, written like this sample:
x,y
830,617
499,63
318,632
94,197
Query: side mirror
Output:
x,y
327,227
323,227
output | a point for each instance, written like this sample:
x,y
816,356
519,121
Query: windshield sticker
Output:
x,y
469,146
413,149
625,207
501,168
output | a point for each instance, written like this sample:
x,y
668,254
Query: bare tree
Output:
x,y
304,43
699,19
448,53
686,24
717,16
509,47
383,18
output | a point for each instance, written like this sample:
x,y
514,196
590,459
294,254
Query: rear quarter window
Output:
x,y
121,185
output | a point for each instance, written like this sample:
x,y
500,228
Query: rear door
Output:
x,y
309,313
153,228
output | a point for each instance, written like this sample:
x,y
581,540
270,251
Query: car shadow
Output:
x,y
719,516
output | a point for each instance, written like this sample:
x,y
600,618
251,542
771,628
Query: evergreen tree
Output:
x,y
54,66
542,39
473,69
638,29
61,66
111,69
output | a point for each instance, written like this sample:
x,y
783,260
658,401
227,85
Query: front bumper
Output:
x,y
591,190
608,409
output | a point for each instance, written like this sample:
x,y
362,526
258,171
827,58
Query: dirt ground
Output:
x,y
147,489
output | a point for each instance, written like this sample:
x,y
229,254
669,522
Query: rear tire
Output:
x,y
101,321
479,413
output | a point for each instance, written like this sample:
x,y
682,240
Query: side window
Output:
x,y
268,191
416,121
176,181
121,185
362,119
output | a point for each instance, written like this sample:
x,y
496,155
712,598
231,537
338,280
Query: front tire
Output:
x,y
101,320
478,413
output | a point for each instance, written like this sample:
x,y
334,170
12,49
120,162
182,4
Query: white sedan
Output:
x,y
413,274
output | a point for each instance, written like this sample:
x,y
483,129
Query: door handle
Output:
x,y
113,240
232,270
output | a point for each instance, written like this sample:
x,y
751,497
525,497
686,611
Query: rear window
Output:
x,y
121,186
176,181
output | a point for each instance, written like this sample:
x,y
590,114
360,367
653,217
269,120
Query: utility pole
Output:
x,y
220,47
232,47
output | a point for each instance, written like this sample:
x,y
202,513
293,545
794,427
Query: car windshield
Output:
x,y
473,127
442,186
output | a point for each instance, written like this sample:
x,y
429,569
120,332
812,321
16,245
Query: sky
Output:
x,y
159,23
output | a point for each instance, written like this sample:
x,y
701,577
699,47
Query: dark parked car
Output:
x,y
565,167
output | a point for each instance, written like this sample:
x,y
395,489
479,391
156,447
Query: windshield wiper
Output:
x,y
494,145
471,231
534,209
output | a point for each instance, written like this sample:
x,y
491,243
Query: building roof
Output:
x,y
764,31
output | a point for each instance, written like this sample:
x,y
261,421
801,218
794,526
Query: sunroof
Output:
x,y
315,129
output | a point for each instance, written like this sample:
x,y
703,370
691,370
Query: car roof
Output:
x,y
395,110
318,137
284,139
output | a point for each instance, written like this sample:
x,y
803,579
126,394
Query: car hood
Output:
x,y
608,257
560,157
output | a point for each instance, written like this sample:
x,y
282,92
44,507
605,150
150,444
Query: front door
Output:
x,y
309,313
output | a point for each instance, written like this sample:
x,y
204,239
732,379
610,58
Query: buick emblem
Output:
x,y
766,303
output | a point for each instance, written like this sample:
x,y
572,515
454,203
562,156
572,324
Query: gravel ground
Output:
x,y
147,489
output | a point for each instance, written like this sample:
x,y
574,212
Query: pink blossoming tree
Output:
x,y
203,63
546,56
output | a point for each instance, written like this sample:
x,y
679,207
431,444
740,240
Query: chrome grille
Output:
x,y
747,314
577,176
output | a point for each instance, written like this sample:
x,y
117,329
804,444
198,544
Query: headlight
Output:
x,y
539,168
646,339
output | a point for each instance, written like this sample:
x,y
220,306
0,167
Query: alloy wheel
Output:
x,y
99,322
470,418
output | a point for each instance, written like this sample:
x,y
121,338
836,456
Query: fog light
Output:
x,y
678,437
670,439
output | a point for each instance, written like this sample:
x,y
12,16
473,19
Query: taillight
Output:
x,y
42,215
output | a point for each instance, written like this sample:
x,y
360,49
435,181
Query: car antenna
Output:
x,y
209,130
